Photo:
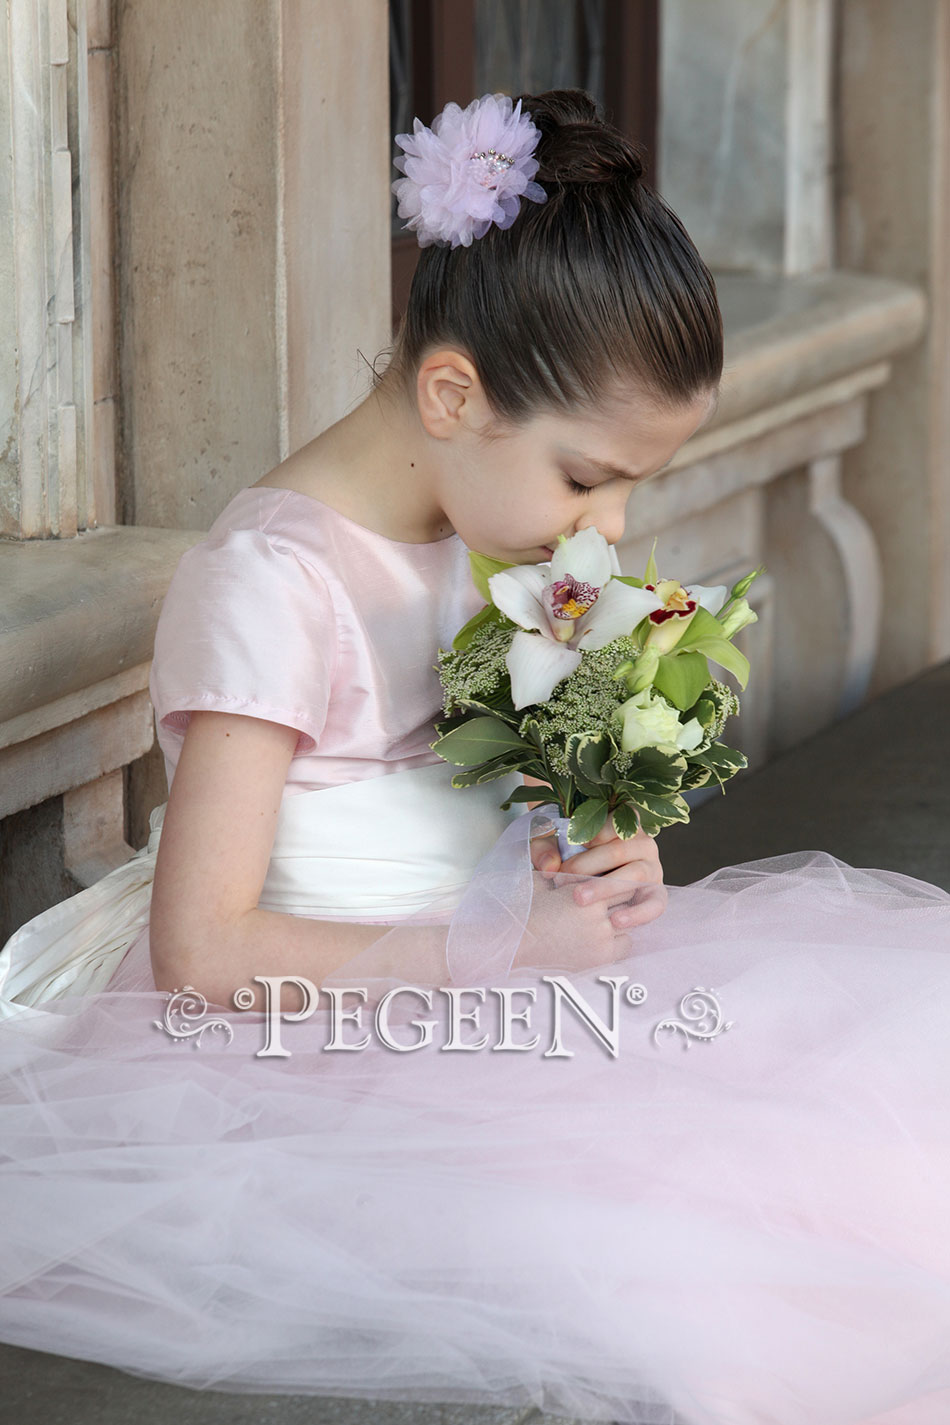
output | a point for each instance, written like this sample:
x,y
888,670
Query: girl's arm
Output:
x,y
205,929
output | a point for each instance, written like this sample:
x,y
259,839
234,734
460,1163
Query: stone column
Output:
x,y
253,217
46,476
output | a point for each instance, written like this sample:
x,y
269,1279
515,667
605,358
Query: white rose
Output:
x,y
647,719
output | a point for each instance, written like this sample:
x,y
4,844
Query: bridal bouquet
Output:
x,y
595,683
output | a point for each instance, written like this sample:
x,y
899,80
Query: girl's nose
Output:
x,y
610,523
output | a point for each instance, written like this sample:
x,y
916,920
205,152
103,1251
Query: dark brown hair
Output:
x,y
598,284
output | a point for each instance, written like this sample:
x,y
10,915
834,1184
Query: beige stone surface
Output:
x,y
71,756
722,147
336,163
28,350
76,612
94,828
809,137
253,218
787,335
752,452
197,121
101,285
894,220
74,705
9,452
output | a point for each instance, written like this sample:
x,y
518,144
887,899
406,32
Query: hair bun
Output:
x,y
576,145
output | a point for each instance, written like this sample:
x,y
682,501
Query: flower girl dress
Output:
x,y
717,1195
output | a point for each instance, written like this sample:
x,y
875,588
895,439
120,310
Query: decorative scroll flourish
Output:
x,y
190,1005
697,1005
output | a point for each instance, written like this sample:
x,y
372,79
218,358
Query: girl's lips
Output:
x,y
548,552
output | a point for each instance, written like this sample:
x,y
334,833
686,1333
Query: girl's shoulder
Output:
x,y
267,562
285,519
251,621
342,545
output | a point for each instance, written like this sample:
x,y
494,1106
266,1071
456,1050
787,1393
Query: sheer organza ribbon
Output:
x,y
399,850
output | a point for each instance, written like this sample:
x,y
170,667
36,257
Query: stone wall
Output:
x,y
211,222
722,127
197,219
802,135
893,218
252,208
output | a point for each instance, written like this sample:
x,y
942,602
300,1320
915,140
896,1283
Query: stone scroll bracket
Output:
x,y
860,560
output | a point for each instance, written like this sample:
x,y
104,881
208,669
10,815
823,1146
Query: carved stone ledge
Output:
x,y
75,612
77,629
790,335
81,751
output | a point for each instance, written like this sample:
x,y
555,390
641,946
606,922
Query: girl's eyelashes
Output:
x,y
576,488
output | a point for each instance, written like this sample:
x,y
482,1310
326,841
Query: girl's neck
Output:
x,y
375,464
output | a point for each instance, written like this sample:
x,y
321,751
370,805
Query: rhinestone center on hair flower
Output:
x,y
488,165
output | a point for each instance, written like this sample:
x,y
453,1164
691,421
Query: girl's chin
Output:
x,y
541,554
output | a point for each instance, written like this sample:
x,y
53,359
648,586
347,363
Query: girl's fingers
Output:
x,y
622,883
613,854
543,850
650,903
607,857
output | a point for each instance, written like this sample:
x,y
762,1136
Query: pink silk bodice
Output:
x,y
290,611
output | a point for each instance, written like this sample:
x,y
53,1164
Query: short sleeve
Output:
x,y
248,627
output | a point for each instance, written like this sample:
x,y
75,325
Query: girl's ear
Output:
x,y
449,394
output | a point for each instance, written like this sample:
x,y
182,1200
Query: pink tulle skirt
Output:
x,y
717,1196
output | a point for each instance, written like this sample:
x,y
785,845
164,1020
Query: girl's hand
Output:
x,y
625,871
562,935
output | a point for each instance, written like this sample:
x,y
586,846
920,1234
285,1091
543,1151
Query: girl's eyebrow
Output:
x,y
615,472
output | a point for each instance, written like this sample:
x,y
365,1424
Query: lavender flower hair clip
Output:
x,y
471,169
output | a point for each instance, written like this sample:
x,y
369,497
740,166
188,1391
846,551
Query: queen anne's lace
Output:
x,y
469,170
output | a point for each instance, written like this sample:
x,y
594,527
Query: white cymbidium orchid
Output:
x,y
563,607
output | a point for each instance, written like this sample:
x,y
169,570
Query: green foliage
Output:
x,y
704,635
477,740
626,821
587,820
483,568
740,589
486,616
722,762
681,677
529,794
586,754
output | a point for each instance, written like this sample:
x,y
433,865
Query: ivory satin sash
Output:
x,y
389,846
373,851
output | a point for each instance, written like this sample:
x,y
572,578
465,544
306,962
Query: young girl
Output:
x,y
717,1194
